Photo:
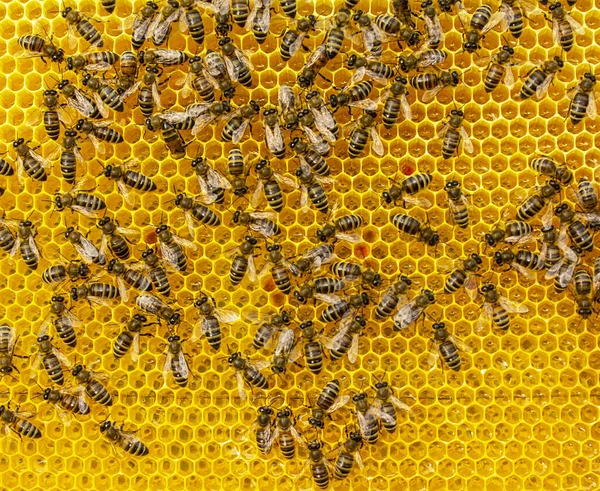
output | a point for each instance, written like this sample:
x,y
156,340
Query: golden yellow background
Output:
x,y
521,414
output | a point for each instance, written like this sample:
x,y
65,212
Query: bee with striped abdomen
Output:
x,y
286,351
263,429
522,261
115,238
92,384
312,188
125,440
234,129
354,96
362,130
217,72
372,36
76,20
580,233
293,37
539,78
79,101
104,95
564,270
313,66
512,232
268,184
422,59
161,26
70,157
243,261
64,321
329,401
170,135
54,114
464,275
340,228
334,39
74,270
319,465
587,195
452,133
171,247
368,422
406,189
349,453
127,276
88,252
273,135
196,212
8,339
564,27
269,327
191,20
286,435
410,311
583,99
280,268
312,347
433,83
345,308
458,203
17,422
212,183
30,162
158,274
65,403
482,21
324,120
259,20
538,201
237,63
93,61
513,14
79,201
155,306
393,296
395,100
306,154
374,69
322,289
553,243
312,260
445,346
548,167
320,140
411,226
248,372
210,318
144,19
163,57
197,79
127,178
99,132
496,307
351,271
23,241
435,34
41,46
346,339
386,404
95,293
499,70
175,361
51,359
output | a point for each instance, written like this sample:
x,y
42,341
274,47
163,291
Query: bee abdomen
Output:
x,y
320,475
122,344
213,332
54,369
138,181
281,278
313,353
391,422
239,266
287,444
27,429
136,448
98,393
205,215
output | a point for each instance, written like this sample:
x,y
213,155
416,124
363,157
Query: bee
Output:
x,y
346,338
173,140
93,61
248,372
445,346
482,22
89,252
553,244
234,129
7,350
312,188
564,27
351,271
158,274
307,155
324,120
129,338
144,19
127,178
539,78
70,157
583,99
129,65
198,80
221,10
514,231
79,201
243,262
65,402
171,247
368,423
58,273
393,296
96,293
433,83
153,305
537,201
17,422
196,211
388,24
496,308
149,95
64,322
564,270
362,130
385,405
323,289
268,183
212,183
329,401
337,33
216,70
262,426
114,237
587,195
372,36
78,101
269,327
395,100
458,204
339,229
522,261
409,186
422,59
411,226
578,231
410,311
163,57
446,5
464,275
319,465
161,26
550,168
349,453
104,95
355,96
280,268
175,362
312,347
294,37
500,69
320,142
40,46
513,14
288,102
51,359
131,277
98,132
260,222
285,351
273,135
315,63
53,116
23,241
210,318
126,440
435,35
30,162
285,433
83,26
259,20
240,10
5,168
237,63
453,132
90,383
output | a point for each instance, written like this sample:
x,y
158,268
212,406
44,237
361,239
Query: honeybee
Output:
x,y
339,228
237,62
453,132
578,231
280,268
171,247
155,306
17,422
79,201
59,273
269,327
499,69
538,201
319,465
89,383
273,135
97,132
127,178
198,80
53,116
286,351
210,317
51,359
395,100
149,94
362,130
522,261
587,195
88,252
23,241
583,99
514,231
406,189
548,167
320,142
288,102
539,78
127,276
243,261
564,270
158,274
76,20
312,347
464,275
422,59
435,35
446,346
41,46
78,101
104,95
411,226
259,20
239,120
164,57
354,96
141,24
263,431
175,361
285,433
248,372
196,211
496,307
64,322
551,251
212,183
95,293
323,289
336,34
481,23
564,27
129,338
385,405
312,188
315,63
349,453
306,154
115,238
8,340
202,114
433,83
314,258
513,14
92,61
374,69
410,311
324,120
293,37
368,422
161,26
221,10
125,440
66,402
260,222
346,339
372,36
458,203
191,20
268,184
393,296
30,162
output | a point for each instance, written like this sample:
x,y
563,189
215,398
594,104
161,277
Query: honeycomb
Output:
x,y
520,414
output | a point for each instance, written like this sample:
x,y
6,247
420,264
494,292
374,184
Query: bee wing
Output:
x,y
226,316
156,97
252,16
231,69
495,19
304,198
15,248
183,365
399,404
512,307
295,46
274,137
98,145
566,275
135,348
339,402
291,267
353,351
238,134
288,181
185,83
460,344
471,286
184,242
522,271
407,314
86,250
553,271
433,356
316,141
366,104
592,110
509,77
63,415
443,130
405,107
252,269
81,399
429,95
352,238
263,21
218,180
329,298
577,27
485,317
125,192
256,197
335,342
434,29
377,143
44,162
358,75
261,228
169,255
416,201
123,291
544,86
467,143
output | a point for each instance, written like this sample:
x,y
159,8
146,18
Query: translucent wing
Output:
x,y
358,75
471,286
407,314
184,242
339,402
184,370
288,181
377,143
467,143
167,366
512,307
86,250
405,107
226,316
429,95
433,356
577,27
353,238
256,197
485,317
495,19
399,404
353,351
366,104
252,269
592,110
169,255
460,344
509,78
238,134
274,138
123,291
135,348
544,86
